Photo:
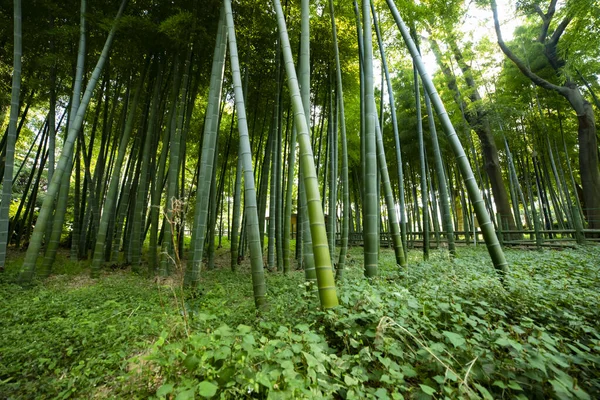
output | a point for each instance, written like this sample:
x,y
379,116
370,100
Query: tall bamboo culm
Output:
x,y
35,243
371,201
342,123
192,273
489,235
12,135
252,229
324,273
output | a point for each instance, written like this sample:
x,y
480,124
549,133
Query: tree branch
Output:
x,y
518,62
546,18
589,88
551,9
560,29
539,11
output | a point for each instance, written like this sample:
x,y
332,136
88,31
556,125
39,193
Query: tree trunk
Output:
x,y
192,275
479,122
494,249
588,156
344,177
586,132
324,274
256,261
110,203
371,202
9,159
35,245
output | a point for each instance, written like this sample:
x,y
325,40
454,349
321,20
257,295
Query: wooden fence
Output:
x,y
526,238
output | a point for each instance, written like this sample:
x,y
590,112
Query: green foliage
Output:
x,y
177,26
241,362
440,329
71,337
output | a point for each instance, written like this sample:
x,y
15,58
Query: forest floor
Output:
x,y
440,329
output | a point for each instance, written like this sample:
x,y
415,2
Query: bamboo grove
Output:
x,y
151,135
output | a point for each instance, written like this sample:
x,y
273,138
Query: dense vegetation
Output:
x,y
168,168
441,329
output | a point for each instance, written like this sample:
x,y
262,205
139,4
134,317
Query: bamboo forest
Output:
x,y
300,199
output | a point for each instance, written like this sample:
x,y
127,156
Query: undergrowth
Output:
x,y
71,336
439,329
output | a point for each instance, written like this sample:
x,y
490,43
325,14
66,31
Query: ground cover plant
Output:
x,y
196,196
71,335
438,329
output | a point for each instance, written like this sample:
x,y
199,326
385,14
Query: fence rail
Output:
x,y
527,238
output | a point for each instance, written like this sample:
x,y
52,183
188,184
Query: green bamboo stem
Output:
x,y
143,184
111,196
371,202
494,249
441,177
252,228
392,101
235,218
423,170
394,227
333,161
307,258
169,258
11,140
192,274
344,177
324,273
28,268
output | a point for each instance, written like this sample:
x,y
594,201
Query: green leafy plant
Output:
x,y
441,329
